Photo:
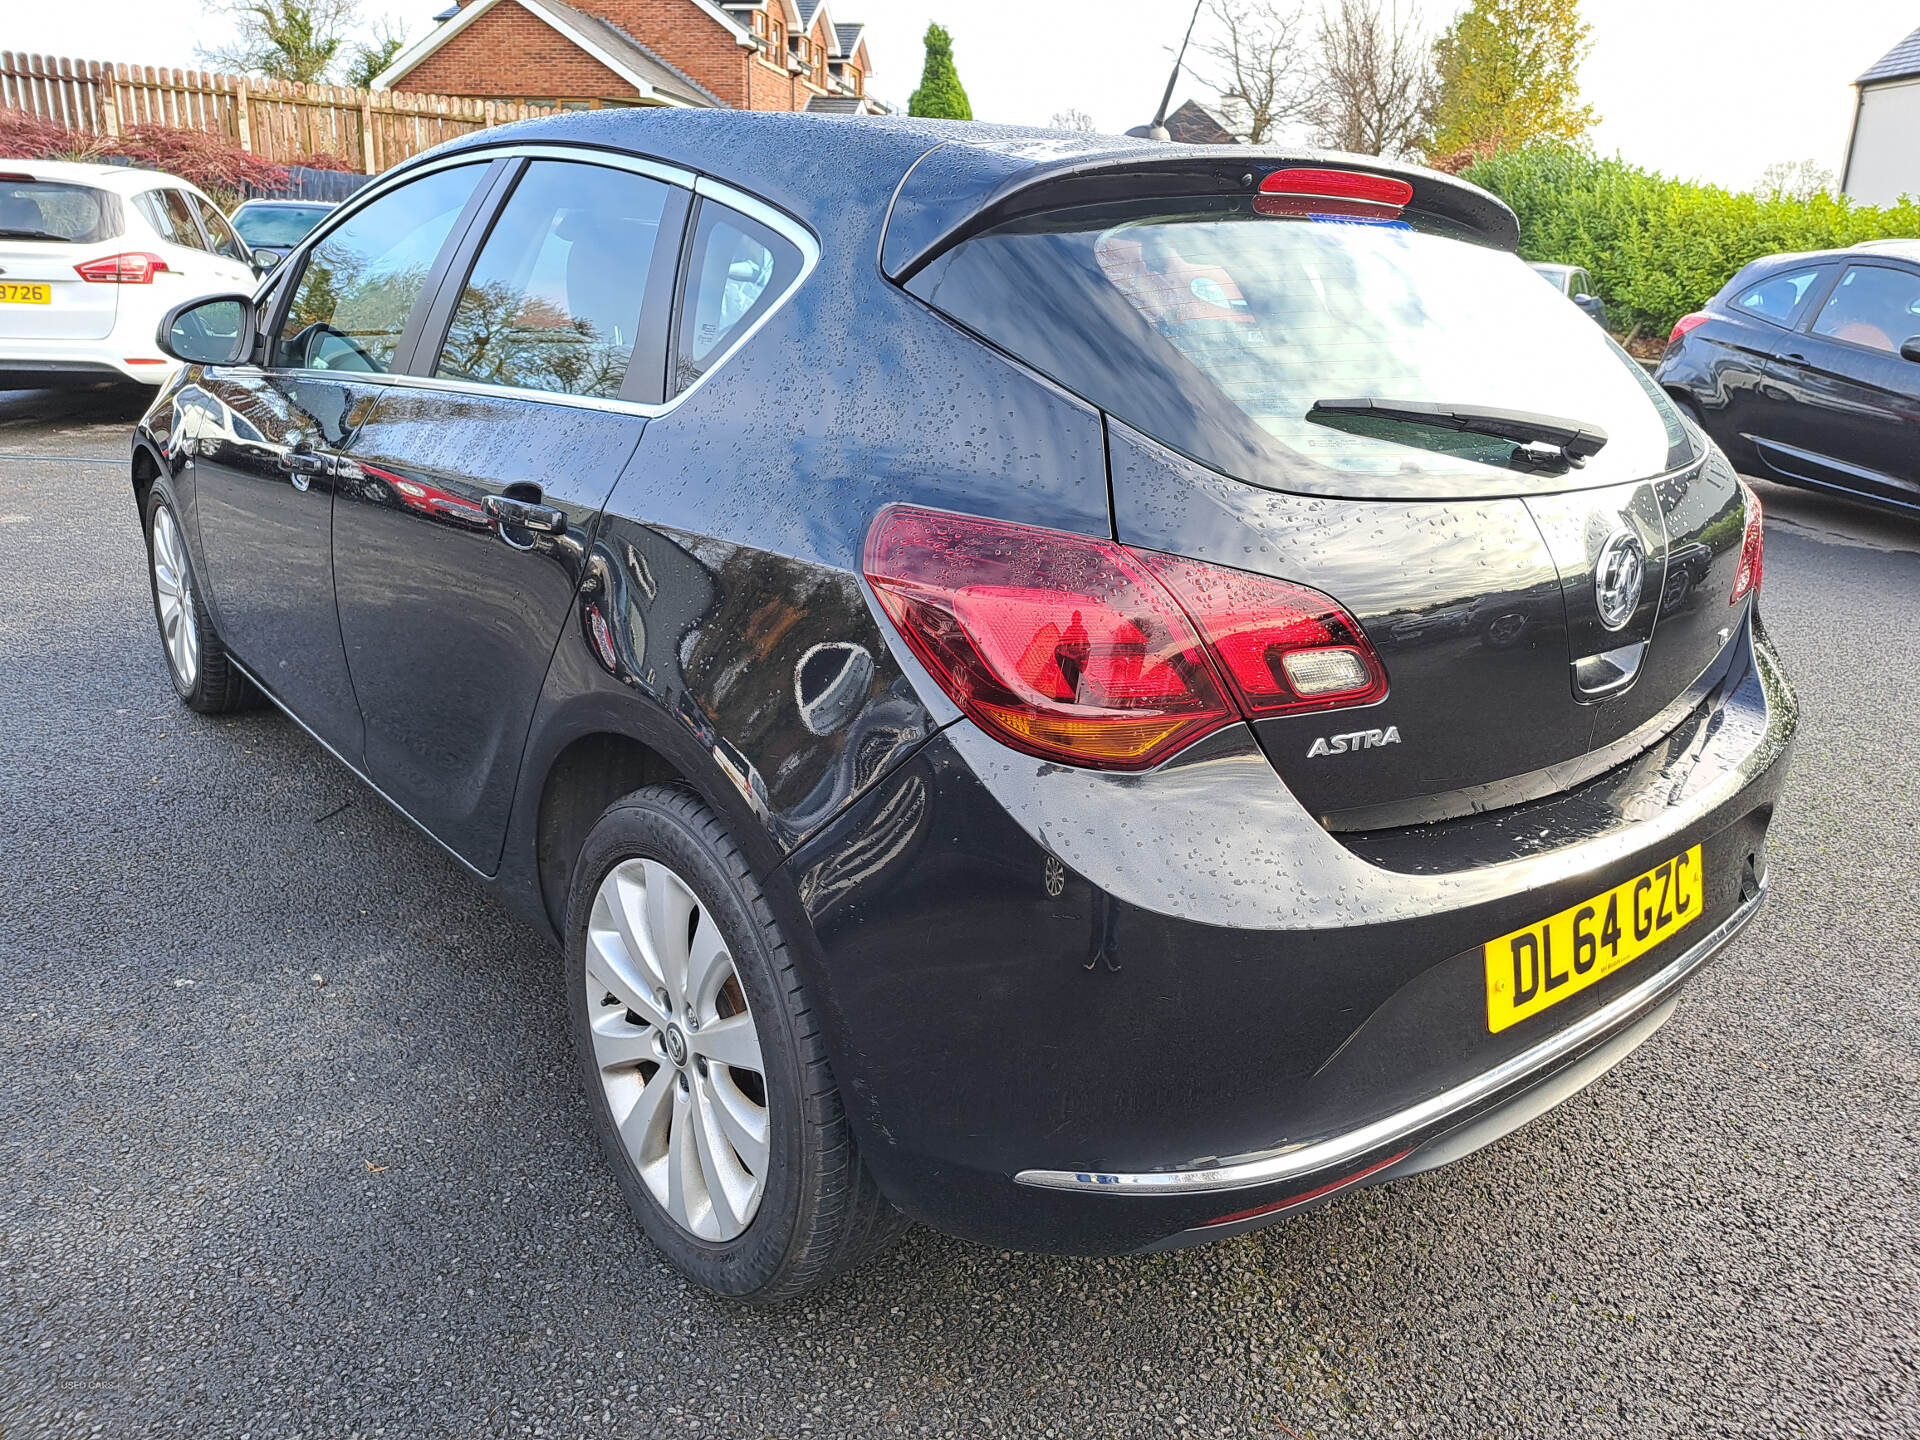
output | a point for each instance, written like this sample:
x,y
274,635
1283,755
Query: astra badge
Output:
x,y
1357,740
1618,578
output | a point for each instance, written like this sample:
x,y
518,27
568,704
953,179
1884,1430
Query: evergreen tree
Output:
x,y
940,95
1509,74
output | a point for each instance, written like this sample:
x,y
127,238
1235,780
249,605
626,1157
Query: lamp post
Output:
x,y
1158,129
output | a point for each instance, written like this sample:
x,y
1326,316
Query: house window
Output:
x,y
760,24
856,79
779,37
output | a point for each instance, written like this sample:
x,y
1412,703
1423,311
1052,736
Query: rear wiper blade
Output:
x,y
35,235
1578,441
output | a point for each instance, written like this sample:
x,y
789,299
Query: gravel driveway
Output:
x,y
292,1142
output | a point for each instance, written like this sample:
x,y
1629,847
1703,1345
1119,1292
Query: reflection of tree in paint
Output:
x,y
503,336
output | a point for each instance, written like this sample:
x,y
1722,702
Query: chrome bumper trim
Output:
x,y
1297,1160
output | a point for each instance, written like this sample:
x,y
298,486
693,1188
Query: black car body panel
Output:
x,y
507,608
1813,393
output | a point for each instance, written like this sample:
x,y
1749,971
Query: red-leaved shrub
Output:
x,y
212,162
33,137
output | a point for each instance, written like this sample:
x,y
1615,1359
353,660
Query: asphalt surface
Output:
x,y
291,1144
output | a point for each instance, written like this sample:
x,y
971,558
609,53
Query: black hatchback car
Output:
x,y
1806,368
1089,693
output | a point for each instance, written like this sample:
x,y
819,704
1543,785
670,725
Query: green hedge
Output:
x,y
1658,248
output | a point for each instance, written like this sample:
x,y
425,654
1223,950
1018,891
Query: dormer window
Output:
x,y
760,25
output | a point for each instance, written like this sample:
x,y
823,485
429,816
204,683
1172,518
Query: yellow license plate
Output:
x,y
1562,955
15,293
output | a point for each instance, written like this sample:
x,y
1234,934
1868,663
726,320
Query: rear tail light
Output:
x,y
136,267
1686,323
1088,652
1283,648
1753,544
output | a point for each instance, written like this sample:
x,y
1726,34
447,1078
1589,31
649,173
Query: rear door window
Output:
x,y
553,301
168,213
737,270
361,281
1875,306
1777,297
49,210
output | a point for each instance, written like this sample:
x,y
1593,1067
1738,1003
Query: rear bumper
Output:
x,y
53,361
1437,1131
1231,1017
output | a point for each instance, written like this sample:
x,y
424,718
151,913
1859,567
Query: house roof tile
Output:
x,y
1900,63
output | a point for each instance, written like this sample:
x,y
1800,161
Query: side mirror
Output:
x,y
265,262
1911,350
214,330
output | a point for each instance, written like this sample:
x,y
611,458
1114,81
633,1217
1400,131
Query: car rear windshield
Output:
x,y
1219,331
278,226
51,210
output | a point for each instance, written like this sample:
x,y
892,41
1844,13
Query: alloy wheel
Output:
x,y
676,1051
173,591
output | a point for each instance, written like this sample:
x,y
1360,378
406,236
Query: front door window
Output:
x,y
361,281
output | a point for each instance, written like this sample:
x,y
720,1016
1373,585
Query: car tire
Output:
x,y
667,1110
203,674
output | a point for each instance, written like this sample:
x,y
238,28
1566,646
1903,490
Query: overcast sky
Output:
x,y
1709,89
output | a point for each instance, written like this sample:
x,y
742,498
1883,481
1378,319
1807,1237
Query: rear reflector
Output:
x,y
1292,1200
1753,544
1338,185
136,267
1088,652
142,360
1686,323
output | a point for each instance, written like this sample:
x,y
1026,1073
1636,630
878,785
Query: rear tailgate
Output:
x,y
42,296
47,227
1272,365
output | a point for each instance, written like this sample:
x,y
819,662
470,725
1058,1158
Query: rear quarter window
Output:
x,y
1778,297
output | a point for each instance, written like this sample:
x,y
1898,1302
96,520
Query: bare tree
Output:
x,y
1263,79
1799,180
1072,119
1373,93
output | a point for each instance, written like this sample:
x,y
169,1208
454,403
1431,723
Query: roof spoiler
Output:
x,y
958,189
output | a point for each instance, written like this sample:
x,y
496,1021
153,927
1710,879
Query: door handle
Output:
x,y
1795,356
525,515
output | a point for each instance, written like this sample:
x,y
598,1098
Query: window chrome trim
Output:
x,y
1293,1161
790,229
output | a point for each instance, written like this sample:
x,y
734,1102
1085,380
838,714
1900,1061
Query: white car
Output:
x,y
91,258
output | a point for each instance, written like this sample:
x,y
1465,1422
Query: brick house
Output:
x,y
595,54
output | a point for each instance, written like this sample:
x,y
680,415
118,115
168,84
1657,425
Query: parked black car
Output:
x,y
273,227
1574,283
1806,368
1091,694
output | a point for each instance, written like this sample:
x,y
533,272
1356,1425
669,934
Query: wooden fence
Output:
x,y
275,119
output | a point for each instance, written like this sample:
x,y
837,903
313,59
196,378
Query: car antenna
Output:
x,y
1158,129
